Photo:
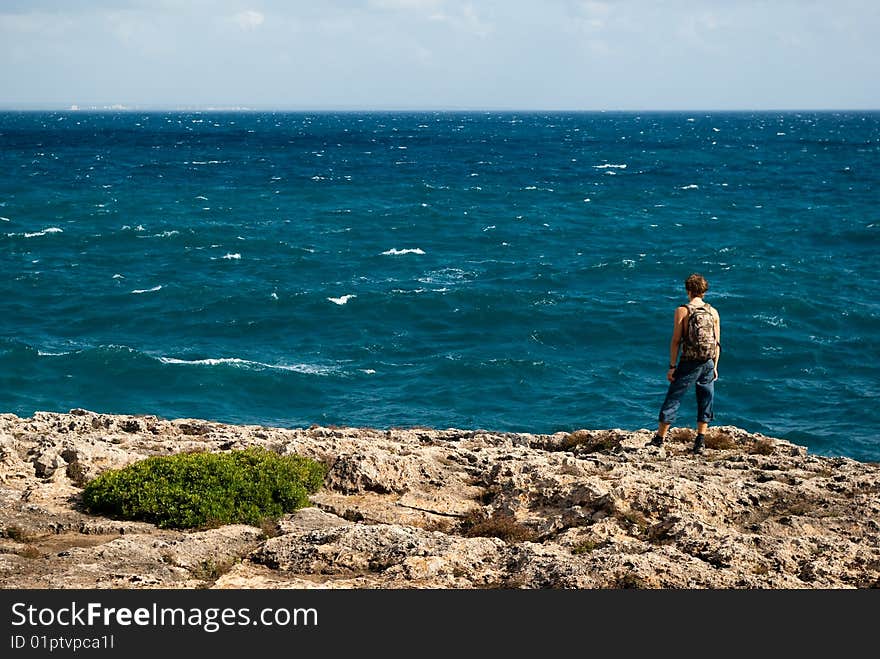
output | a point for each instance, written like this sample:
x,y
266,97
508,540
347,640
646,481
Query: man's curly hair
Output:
x,y
696,284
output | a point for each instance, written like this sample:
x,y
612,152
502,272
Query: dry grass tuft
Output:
x,y
498,525
270,528
633,518
680,435
717,440
585,547
761,447
17,533
76,473
589,442
630,580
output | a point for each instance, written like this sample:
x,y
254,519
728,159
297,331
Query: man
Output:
x,y
697,331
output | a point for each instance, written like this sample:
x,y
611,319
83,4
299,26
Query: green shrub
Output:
x,y
190,490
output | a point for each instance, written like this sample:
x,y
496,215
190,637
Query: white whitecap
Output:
x,y
202,197
5,219
341,300
692,186
147,290
246,363
394,251
232,256
609,166
43,232
775,321
118,276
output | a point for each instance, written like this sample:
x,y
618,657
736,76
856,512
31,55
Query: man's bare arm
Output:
x,y
674,344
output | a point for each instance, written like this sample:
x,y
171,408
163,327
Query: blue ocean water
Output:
x,y
498,270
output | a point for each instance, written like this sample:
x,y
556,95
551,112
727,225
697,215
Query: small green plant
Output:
x,y
192,490
584,547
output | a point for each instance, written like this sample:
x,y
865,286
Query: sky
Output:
x,y
441,54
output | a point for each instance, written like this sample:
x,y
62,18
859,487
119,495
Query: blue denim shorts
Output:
x,y
702,376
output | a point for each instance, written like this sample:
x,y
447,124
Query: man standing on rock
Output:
x,y
697,331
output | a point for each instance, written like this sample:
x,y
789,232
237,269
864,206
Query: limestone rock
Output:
x,y
426,508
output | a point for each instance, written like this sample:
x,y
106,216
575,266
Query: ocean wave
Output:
x,y
447,276
309,369
230,256
138,291
609,166
44,232
774,321
395,252
341,300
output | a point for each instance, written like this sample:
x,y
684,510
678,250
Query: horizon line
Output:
x,y
123,107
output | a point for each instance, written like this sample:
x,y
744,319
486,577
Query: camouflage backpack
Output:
x,y
699,340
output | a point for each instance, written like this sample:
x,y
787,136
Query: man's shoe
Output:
x,y
656,441
699,444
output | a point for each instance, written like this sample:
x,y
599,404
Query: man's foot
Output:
x,y
699,444
656,441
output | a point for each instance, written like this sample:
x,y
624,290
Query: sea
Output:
x,y
495,270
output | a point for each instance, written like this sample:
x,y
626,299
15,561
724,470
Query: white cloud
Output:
x,y
466,20
249,20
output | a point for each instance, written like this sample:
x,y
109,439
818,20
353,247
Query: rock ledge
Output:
x,y
428,508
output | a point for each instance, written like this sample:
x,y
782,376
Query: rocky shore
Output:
x,y
428,508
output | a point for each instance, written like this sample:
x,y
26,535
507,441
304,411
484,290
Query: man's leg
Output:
x,y
684,375
705,388
660,435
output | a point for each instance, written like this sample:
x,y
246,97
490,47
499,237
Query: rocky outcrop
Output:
x,y
425,508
